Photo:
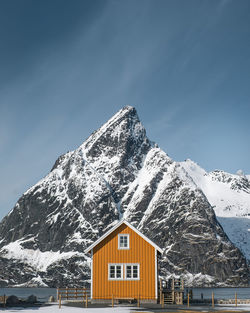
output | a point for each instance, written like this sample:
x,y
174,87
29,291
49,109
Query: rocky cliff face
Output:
x,y
116,171
229,195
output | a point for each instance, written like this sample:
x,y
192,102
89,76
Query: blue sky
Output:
x,y
67,66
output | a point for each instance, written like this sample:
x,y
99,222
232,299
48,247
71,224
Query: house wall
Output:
x,y
107,252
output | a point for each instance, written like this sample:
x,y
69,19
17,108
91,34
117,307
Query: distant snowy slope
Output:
x,y
230,197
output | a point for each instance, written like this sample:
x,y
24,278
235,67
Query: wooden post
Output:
x,y
60,301
138,303
4,300
213,299
236,299
162,300
188,299
67,293
86,304
182,284
112,300
160,291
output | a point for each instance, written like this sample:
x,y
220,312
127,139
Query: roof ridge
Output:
x,y
114,228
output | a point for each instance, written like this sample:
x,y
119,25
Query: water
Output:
x,y
42,294
221,293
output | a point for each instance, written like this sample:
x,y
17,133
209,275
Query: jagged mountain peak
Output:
x,y
118,146
120,134
124,129
235,181
116,170
194,170
238,181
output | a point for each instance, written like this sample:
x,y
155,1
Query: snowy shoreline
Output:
x,y
121,309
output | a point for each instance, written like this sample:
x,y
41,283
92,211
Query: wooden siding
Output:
x,y
140,252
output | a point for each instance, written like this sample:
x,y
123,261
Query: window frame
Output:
x,y
138,271
123,248
115,278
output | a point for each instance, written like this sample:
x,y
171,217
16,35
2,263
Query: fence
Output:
x,y
82,294
216,300
219,293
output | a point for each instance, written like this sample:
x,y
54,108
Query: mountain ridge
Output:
x,y
116,171
229,194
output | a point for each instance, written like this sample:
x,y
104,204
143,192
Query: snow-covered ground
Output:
x,y
55,308
66,309
232,308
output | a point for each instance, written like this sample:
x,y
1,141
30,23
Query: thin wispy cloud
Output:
x,y
180,63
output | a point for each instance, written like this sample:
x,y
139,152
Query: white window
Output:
x,y
132,271
115,271
123,241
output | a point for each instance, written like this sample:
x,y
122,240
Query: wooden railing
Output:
x,y
82,294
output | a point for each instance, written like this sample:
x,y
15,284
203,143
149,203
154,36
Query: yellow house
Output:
x,y
124,265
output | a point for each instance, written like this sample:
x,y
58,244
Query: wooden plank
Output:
x,y
124,298
72,293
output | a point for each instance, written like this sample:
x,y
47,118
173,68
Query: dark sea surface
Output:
x,y
221,293
43,294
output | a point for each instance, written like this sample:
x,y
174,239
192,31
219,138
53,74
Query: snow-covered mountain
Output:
x,y
230,197
116,171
